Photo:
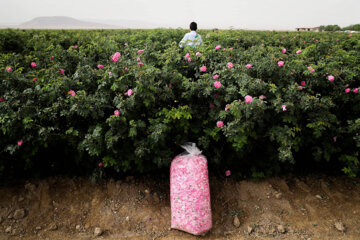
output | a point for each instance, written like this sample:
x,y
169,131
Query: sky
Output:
x,y
239,14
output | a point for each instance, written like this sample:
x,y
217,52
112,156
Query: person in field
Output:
x,y
192,38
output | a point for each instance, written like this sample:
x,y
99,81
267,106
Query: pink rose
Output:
x,y
248,66
230,65
350,35
283,50
283,107
227,173
300,88
312,70
140,51
189,59
347,90
198,54
126,69
140,64
109,73
220,124
281,63
129,92
72,93
262,97
203,69
231,49
2,99
34,79
334,138
298,51
33,64
217,47
248,99
75,47
52,57
116,112
217,84
187,55
19,143
227,107
116,57
215,76
331,78
62,71
9,69
356,90
100,66
101,164
138,59
303,83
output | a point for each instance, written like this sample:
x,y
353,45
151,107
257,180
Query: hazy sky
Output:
x,y
256,14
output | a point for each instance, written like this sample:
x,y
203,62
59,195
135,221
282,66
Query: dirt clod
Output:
x,y
19,214
8,229
281,228
340,226
98,231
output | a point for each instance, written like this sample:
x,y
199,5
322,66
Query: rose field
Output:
x,y
106,102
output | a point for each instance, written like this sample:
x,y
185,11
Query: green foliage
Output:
x,y
295,113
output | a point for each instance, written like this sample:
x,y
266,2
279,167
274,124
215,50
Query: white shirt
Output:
x,y
191,39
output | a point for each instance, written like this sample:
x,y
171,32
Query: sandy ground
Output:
x,y
139,208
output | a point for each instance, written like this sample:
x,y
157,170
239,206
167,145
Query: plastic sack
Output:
x,y
190,192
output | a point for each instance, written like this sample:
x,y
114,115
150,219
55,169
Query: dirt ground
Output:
x,y
139,208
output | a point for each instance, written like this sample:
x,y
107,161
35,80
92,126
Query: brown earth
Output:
x,y
276,208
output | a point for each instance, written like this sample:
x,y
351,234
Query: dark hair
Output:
x,y
193,26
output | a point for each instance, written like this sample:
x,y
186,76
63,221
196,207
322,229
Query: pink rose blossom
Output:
x,y
283,107
129,92
331,78
126,69
100,66
218,47
281,63
262,97
72,93
230,65
2,99
217,84
116,113
350,35
248,66
248,99
189,59
334,138
138,59
62,71
356,90
101,164
303,83
203,69
76,47
231,49
140,51
9,69
20,142
283,50
304,41
140,64
116,57
300,88
109,73
298,51
211,106
34,79
198,54
52,57
227,173
312,70
215,76
347,90
220,124
33,64
227,107
187,55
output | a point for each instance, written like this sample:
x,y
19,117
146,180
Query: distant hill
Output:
x,y
59,22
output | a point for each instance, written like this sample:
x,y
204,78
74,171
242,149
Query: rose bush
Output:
x,y
98,103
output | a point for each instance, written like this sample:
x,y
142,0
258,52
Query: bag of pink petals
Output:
x,y
190,192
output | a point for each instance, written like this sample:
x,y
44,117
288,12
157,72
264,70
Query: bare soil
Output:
x,y
59,208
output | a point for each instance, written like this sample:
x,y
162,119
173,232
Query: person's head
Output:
x,y
193,26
